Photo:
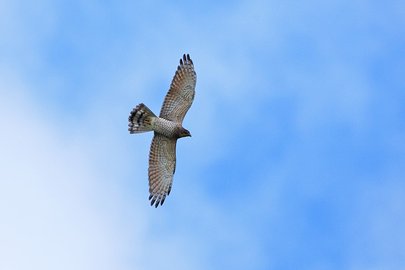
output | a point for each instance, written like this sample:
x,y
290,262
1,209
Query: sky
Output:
x,y
297,154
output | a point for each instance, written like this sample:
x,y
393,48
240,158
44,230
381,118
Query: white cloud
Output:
x,y
65,200
73,191
56,212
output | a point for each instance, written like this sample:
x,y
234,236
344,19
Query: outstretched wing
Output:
x,y
162,164
181,93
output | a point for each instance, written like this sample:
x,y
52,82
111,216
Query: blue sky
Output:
x,y
297,159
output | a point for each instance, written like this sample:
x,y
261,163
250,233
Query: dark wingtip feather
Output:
x,y
189,59
186,59
157,200
153,201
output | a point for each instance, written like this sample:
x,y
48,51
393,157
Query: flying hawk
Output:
x,y
167,129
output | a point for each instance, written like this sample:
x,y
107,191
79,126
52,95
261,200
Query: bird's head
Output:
x,y
184,133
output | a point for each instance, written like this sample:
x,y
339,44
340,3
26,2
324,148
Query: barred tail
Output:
x,y
140,119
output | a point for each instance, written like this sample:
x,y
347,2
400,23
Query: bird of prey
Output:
x,y
167,129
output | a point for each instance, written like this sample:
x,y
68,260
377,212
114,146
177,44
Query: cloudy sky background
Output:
x,y
297,159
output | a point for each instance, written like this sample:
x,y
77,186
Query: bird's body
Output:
x,y
167,129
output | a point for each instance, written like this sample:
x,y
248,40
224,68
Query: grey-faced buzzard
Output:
x,y
167,129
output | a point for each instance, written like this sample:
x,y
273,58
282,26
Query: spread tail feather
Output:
x,y
140,119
